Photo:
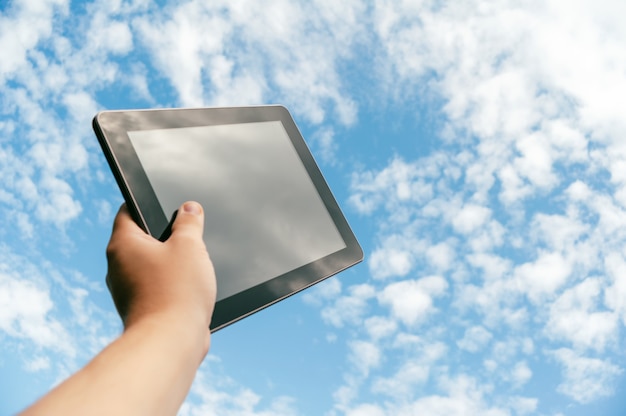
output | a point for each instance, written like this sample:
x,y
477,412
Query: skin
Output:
x,y
165,295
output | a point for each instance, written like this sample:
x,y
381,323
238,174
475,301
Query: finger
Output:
x,y
122,218
189,221
124,223
124,227
115,294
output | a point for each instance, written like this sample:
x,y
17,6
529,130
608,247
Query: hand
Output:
x,y
165,294
149,278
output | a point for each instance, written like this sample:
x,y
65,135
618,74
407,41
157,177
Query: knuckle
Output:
x,y
112,249
186,234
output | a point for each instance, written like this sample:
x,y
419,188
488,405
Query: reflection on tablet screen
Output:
x,y
262,219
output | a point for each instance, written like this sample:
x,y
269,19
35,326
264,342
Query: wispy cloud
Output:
x,y
517,190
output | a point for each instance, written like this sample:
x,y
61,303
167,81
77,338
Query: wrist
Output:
x,y
191,333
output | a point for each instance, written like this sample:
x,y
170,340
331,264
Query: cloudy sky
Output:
x,y
477,148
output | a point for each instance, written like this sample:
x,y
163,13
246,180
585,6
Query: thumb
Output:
x,y
189,222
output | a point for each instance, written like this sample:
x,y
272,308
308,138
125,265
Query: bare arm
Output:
x,y
165,294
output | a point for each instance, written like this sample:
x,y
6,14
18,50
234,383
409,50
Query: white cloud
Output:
x,y
24,225
521,374
515,78
524,405
23,29
507,351
497,300
464,396
244,60
491,236
54,72
26,311
324,139
574,316
179,46
105,213
492,266
327,290
586,379
364,355
475,339
615,294
375,364
35,325
219,395
380,327
543,277
398,182
38,364
559,232
470,217
57,205
349,308
366,410
81,106
535,162
441,255
411,301
389,262
402,384
109,35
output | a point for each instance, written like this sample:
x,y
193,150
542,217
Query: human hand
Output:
x,y
165,294
149,278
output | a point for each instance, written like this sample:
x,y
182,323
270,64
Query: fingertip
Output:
x,y
123,209
192,207
124,222
121,216
190,217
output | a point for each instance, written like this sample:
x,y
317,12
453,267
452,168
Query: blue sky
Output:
x,y
477,149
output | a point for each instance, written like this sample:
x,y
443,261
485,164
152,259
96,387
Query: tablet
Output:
x,y
272,225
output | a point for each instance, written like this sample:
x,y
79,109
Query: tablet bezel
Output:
x,y
111,129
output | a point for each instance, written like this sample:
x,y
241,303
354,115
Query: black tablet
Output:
x,y
272,225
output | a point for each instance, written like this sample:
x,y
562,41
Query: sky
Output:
x,y
477,148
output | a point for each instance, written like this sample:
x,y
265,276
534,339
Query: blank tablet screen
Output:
x,y
251,172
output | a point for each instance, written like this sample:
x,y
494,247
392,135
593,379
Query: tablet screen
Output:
x,y
249,171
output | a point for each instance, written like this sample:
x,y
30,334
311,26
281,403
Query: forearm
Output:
x,y
146,371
